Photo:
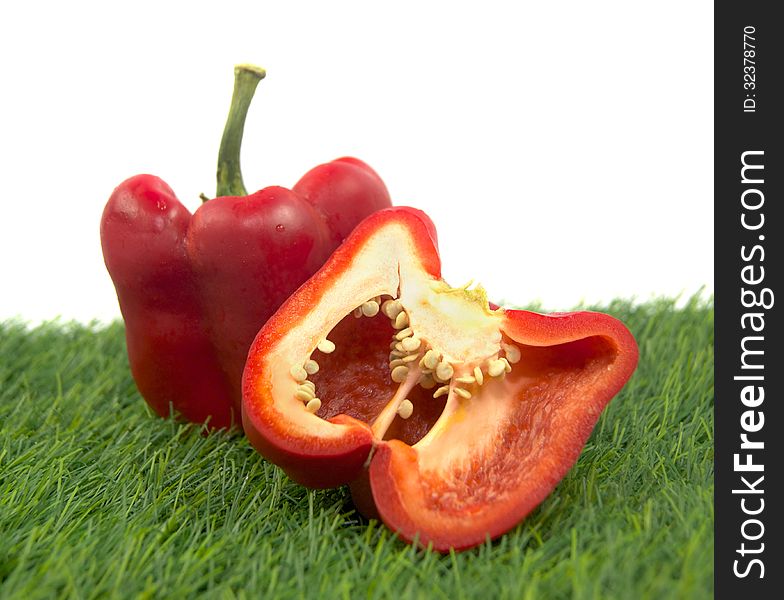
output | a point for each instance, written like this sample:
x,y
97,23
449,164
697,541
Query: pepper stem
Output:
x,y
246,78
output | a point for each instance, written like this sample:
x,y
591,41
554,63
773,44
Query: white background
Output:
x,y
563,149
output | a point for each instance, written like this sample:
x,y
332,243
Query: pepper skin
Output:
x,y
194,289
451,418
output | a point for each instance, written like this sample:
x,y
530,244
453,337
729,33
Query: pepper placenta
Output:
x,y
194,289
450,418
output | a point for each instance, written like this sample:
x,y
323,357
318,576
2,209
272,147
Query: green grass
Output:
x,y
99,498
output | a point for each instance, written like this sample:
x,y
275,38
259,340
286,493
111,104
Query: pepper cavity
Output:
x,y
413,360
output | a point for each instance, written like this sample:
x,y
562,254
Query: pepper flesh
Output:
x,y
194,289
469,462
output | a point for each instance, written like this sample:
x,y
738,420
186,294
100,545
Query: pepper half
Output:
x,y
451,418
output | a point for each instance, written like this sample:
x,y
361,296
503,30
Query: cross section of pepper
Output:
x,y
450,418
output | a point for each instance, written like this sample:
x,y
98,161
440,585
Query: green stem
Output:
x,y
246,78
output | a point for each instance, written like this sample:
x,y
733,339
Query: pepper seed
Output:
x,y
401,320
462,393
442,391
298,373
405,409
495,368
404,333
399,374
431,359
411,343
370,308
303,394
513,354
326,346
444,371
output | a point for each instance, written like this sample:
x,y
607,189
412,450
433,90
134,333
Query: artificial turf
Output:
x,y
100,498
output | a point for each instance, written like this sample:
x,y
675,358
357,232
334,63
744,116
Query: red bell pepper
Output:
x,y
451,418
195,289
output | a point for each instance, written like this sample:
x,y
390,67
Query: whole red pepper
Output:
x,y
194,289
450,417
